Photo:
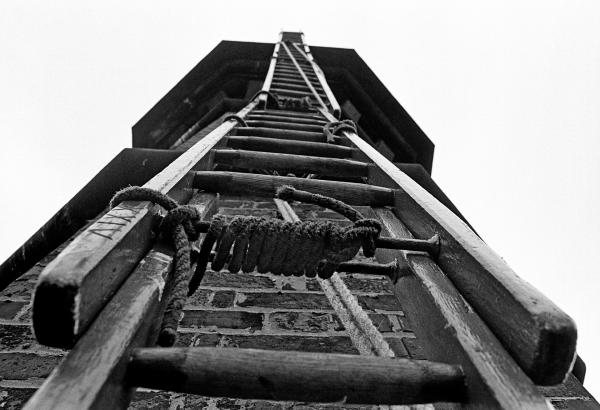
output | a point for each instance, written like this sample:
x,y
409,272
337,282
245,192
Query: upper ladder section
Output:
x,y
293,73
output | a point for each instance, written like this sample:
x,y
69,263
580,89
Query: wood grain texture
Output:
x,y
316,149
297,376
80,281
238,183
92,375
539,335
285,163
452,332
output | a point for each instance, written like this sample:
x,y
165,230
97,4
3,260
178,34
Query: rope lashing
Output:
x,y
237,118
332,129
182,225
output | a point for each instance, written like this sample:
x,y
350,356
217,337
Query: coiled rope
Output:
x,y
250,243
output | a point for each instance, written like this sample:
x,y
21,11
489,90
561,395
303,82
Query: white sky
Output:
x,y
508,91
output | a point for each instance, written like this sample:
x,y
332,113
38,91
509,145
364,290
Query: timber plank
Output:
x,y
283,134
297,376
285,125
80,281
453,333
92,375
239,183
538,334
317,149
291,163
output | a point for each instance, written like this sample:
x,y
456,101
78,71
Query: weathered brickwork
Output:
x,y
253,310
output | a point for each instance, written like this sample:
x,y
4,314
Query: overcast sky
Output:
x,y
509,92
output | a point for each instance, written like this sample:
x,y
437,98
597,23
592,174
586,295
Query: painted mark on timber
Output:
x,y
114,221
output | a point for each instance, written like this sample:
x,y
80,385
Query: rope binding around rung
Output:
x,y
250,243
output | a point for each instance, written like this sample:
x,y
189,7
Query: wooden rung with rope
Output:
x,y
108,309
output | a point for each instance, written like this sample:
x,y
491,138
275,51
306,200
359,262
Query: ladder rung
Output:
x,y
266,117
292,80
317,149
291,163
285,125
293,114
294,72
275,85
239,183
284,134
295,376
295,93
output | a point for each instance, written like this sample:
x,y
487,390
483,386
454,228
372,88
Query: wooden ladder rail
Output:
x,y
335,106
537,334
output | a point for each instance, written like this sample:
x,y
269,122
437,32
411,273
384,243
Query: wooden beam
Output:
x,y
238,183
451,332
308,83
538,334
291,163
79,282
292,114
317,149
295,376
92,375
335,106
292,126
270,117
282,134
270,73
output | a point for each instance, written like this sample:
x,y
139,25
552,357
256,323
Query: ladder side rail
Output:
x,y
536,332
335,106
306,80
269,78
93,373
295,376
78,283
451,332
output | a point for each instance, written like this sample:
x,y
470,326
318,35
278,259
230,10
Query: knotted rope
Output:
x,y
331,129
181,224
249,243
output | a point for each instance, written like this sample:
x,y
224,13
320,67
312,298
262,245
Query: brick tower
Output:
x,y
435,319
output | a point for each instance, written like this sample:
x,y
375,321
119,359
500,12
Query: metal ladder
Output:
x,y
488,335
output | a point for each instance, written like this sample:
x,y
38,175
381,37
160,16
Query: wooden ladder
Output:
x,y
490,336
